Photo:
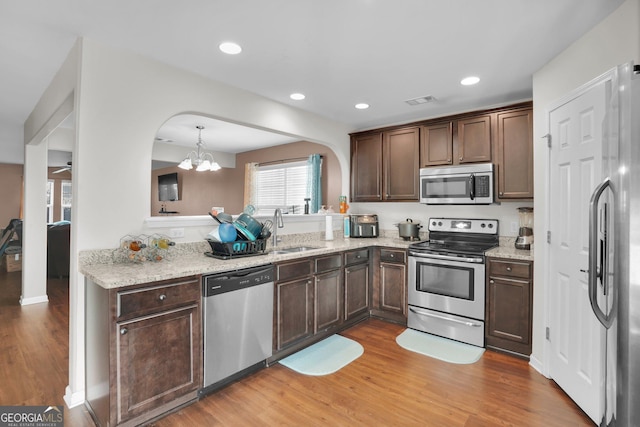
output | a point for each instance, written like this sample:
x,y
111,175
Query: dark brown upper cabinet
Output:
x,y
385,165
474,140
386,162
436,144
366,167
466,140
515,155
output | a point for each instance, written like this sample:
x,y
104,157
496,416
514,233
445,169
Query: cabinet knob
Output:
x,y
449,160
501,193
162,297
508,268
391,255
492,282
460,158
123,331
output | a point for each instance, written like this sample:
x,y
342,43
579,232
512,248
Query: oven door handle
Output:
x,y
476,260
423,313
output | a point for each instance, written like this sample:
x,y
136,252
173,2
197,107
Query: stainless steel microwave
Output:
x,y
470,184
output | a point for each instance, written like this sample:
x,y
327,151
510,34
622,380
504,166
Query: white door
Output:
x,y
576,337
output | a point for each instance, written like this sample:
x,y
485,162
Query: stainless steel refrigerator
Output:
x,y
614,251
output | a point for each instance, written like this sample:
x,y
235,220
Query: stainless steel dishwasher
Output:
x,y
237,322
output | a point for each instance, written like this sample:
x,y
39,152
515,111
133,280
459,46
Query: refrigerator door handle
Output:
x,y
596,271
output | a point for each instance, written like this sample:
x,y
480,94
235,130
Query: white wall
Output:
x,y
120,102
390,214
614,41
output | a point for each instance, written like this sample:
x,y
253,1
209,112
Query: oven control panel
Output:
x,y
459,225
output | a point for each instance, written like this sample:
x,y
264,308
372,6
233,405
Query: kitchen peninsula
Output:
x,y
144,339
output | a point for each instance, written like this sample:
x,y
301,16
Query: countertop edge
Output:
x,y
118,275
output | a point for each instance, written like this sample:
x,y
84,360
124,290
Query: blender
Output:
x,y
525,232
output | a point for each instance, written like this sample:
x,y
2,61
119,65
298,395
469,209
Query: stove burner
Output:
x,y
448,240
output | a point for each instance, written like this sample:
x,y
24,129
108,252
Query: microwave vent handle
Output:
x,y
472,186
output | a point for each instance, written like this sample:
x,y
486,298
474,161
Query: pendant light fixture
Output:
x,y
201,160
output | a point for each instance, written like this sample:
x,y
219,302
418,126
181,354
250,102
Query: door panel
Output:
x,y
576,337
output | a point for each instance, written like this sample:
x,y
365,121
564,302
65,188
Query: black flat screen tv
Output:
x,y
168,187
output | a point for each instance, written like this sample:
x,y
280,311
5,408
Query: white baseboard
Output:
x,y
34,300
536,364
73,399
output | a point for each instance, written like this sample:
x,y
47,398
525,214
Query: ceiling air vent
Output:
x,y
421,100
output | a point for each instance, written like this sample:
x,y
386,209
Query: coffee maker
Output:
x,y
525,232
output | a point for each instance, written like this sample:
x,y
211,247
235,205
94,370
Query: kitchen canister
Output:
x,y
346,227
328,231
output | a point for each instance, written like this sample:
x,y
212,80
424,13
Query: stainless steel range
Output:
x,y
447,278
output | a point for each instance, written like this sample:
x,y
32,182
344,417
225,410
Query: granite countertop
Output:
x,y
98,266
510,252
188,259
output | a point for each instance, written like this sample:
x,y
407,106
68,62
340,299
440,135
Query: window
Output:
x,y
65,201
50,201
282,186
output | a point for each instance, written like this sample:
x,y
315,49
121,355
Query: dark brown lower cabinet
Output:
x,y
509,305
356,284
390,285
143,350
318,296
328,287
295,316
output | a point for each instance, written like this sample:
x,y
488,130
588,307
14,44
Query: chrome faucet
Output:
x,y
278,222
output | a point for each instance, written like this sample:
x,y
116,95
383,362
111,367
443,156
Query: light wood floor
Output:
x,y
386,386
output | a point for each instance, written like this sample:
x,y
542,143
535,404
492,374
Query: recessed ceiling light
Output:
x,y
297,96
230,48
362,106
468,81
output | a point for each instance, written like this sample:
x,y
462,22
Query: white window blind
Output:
x,y
282,185
50,201
66,201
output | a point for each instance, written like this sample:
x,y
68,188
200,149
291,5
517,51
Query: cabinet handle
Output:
x,y
123,331
492,282
508,268
162,297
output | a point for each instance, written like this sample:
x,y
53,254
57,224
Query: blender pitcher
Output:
x,y
525,232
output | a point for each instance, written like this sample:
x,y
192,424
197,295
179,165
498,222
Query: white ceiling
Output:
x,y
337,52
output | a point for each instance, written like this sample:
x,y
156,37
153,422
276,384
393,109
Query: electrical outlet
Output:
x,y
514,227
176,232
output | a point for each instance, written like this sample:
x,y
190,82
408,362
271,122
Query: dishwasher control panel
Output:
x,y
229,281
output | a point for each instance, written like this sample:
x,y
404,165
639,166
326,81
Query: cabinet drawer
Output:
x,y
390,255
355,257
328,263
151,299
293,270
509,268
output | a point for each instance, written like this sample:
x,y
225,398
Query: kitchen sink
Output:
x,y
292,250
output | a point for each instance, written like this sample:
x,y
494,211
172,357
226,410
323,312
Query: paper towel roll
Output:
x,y
328,231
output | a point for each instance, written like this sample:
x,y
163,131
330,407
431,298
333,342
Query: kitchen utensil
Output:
x,y
525,232
228,232
248,226
215,217
267,226
409,230
214,234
